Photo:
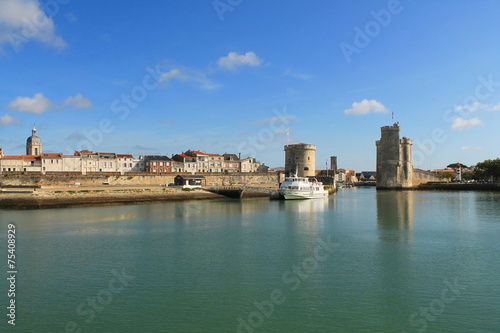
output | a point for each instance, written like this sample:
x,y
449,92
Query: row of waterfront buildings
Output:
x,y
85,162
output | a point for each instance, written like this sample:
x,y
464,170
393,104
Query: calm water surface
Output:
x,y
360,261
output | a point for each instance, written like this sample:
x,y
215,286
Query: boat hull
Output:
x,y
296,195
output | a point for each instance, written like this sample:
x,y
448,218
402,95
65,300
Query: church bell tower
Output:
x,y
33,144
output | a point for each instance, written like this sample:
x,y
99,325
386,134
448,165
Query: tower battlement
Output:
x,y
394,159
300,158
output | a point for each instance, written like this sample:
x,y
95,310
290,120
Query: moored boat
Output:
x,y
302,188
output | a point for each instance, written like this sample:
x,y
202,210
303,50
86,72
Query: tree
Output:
x,y
450,175
468,175
455,165
489,169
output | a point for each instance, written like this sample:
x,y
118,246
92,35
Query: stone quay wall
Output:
x,y
134,179
423,177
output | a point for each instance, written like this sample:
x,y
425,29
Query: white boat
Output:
x,y
302,188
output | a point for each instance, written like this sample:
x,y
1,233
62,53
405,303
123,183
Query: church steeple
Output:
x,y
33,144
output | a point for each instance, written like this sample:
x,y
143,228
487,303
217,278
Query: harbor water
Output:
x,y
358,261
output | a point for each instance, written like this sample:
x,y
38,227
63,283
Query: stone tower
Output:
x,y
300,158
333,163
394,159
33,144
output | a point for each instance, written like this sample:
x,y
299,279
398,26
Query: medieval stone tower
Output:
x,y
394,159
33,144
300,158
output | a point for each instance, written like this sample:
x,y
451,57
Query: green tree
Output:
x,y
468,176
455,165
450,175
489,169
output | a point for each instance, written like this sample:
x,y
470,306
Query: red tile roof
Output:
x,y
12,157
51,155
197,152
22,157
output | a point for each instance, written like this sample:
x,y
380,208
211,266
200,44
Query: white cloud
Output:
x,y
172,74
189,75
40,104
366,106
234,60
476,106
460,124
36,104
305,77
78,102
424,147
470,148
7,120
25,20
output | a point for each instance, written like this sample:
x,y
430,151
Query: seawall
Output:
x,y
133,179
74,197
434,186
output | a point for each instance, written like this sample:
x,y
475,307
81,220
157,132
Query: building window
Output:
x,y
306,169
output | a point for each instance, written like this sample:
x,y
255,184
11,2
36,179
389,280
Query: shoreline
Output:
x,y
71,198
489,187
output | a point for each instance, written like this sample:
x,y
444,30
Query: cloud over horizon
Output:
x,y
366,106
234,60
476,107
188,75
22,21
460,124
78,102
39,103
8,119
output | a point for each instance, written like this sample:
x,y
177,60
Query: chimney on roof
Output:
x,y
239,156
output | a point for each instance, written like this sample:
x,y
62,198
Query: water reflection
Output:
x,y
306,206
191,211
395,215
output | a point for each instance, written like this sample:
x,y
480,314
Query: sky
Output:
x,y
241,76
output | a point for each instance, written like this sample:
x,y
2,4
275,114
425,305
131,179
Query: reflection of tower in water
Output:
x,y
395,212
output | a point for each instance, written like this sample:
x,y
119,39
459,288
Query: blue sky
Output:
x,y
148,77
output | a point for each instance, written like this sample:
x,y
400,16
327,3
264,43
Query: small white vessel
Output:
x,y
302,188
